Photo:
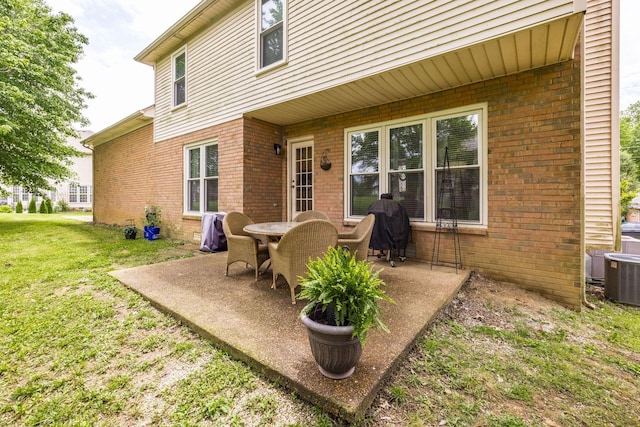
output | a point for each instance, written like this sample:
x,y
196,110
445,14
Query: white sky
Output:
x,y
120,29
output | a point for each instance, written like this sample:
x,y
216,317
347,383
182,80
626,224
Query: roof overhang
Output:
x,y
202,16
130,123
544,44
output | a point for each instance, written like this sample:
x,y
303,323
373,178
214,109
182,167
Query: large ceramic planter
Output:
x,y
333,348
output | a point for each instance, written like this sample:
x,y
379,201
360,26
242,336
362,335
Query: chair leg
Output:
x,y
293,295
226,273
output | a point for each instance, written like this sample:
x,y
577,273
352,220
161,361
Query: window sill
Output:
x,y
478,230
191,217
178,107
262,71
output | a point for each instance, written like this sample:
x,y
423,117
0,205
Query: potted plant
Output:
x,y
152,222
130,230
343,297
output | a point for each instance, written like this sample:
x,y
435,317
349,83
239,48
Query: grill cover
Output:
x,y
391,229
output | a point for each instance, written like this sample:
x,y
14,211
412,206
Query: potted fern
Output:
x,y
343,303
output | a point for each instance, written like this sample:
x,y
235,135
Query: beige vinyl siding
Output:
x,y
601,166
334,42
218,63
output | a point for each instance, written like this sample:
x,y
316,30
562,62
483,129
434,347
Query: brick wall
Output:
x,y
534,177
534,174
132,172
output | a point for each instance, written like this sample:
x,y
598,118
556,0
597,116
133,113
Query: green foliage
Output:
x,y
49,205
62,206
130,231
32,206
351,287
6,209
629,155
43,207
152,216
40,99
19,207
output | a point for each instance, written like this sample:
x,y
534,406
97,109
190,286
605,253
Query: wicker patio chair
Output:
x,y
290,255
240,245
307,215
358,239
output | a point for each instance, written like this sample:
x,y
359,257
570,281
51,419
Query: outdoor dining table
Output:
x,y
273,230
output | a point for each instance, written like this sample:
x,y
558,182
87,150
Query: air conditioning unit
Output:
x,y
622,278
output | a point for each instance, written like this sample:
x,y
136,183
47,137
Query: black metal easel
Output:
x,y
447,220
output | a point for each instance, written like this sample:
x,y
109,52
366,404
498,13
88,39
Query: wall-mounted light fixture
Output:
x,y
277,148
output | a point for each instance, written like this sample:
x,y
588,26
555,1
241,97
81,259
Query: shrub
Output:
x,y
49,206
19,207
62,206
6,209
32,206
43,207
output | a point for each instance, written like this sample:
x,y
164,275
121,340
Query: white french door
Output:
x,y
300,175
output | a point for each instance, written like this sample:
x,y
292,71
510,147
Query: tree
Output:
x,y
32,206
19,207
629,155
630,133
628,181
40,99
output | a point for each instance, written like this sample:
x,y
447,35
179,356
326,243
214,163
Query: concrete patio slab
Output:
x,y
260,326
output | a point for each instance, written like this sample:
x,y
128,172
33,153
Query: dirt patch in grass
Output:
x,y
500,355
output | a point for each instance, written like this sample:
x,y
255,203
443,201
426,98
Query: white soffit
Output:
x,y
527,49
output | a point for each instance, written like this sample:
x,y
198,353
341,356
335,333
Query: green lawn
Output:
x,y
78,348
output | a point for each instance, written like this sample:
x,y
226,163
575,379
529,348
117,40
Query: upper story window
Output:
x,y
179,66
407,159
201,178
272,31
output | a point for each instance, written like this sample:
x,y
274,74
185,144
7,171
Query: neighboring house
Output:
x,y
77,192
524,94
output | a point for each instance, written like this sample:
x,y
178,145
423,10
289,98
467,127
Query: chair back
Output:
x,y
364,228
358,239
233,223
307,215
310,239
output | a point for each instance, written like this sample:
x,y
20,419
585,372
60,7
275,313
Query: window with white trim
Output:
x,y
73,193
201,178
407,159
84,194
272,32
179,71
